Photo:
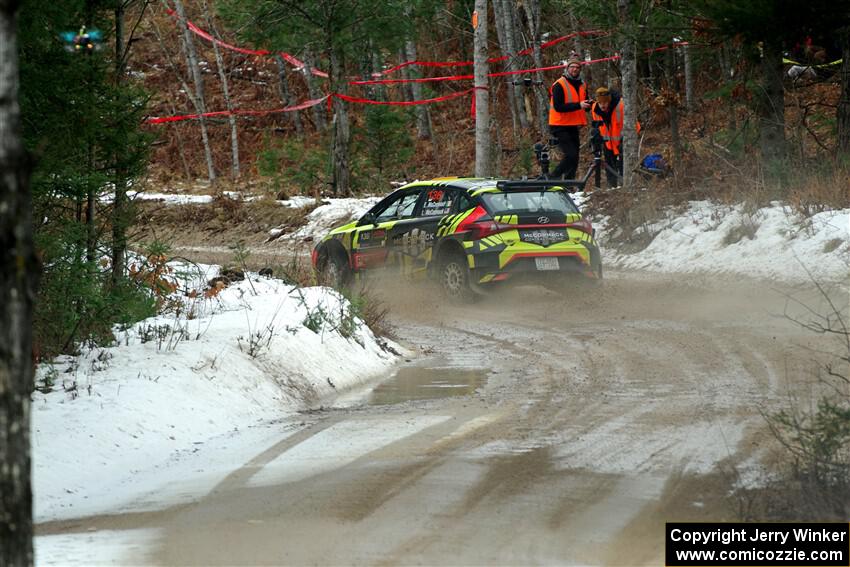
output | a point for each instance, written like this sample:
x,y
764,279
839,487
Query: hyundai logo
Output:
x,y
542,220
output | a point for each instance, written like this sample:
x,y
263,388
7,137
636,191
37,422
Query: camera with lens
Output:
x,y
596,141
541,151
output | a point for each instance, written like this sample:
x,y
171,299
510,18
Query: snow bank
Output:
x,y
771,243
175,381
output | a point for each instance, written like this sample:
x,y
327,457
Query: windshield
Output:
x,y
529,202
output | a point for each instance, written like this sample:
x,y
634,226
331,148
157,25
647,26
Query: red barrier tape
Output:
x,y
502,73
180,118
313,102
527,51
297,63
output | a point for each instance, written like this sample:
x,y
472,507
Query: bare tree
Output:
x,y
423,116
770,103
689,77
482,93
532,12
286,95
313,89
512,33
844,104
502,23
672,103
628,63
222,75
198,80
18,275
342,130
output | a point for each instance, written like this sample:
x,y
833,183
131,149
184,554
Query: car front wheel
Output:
x,y
333,272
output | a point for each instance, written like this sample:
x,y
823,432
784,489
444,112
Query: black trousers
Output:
x,y
569,143
616,163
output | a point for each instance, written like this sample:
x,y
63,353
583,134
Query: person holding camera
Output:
x,y
568,103
606,115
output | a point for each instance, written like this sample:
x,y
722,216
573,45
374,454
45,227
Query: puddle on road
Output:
x,y
416,383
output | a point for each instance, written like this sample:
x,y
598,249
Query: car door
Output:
x,y
371,242
413,241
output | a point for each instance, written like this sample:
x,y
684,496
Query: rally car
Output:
x,y
468,235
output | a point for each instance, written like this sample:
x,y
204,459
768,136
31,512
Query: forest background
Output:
x,y
709,81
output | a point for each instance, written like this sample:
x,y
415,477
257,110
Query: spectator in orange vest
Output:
x,y
568,104
606,113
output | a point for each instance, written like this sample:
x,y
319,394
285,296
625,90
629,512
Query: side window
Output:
x,y
438,202
464,203
399,208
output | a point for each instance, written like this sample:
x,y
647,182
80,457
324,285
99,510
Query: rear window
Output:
x,y
529,202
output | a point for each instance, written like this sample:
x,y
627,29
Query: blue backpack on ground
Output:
x,y
654,164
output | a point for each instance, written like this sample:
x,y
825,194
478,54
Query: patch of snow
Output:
x,y
772,243
240,358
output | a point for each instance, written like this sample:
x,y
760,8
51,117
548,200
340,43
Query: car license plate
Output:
x,y
546,263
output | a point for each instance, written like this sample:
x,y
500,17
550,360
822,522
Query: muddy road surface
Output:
x,y
529,428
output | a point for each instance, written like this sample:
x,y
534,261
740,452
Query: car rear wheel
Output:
x,y
454,279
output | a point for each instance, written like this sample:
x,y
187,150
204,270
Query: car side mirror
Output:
x,y
368,218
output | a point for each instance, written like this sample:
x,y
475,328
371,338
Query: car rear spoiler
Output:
x,y
511,185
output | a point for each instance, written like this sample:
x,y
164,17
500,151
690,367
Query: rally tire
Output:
x,y
454,279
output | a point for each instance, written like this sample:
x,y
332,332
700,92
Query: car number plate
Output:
x,y
546,263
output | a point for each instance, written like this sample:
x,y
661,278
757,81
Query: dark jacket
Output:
x,y
559,97
606,116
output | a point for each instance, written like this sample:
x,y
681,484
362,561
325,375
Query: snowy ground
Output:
x,y
118,417
173,393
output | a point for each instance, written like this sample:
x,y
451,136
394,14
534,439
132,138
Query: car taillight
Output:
x,y
582,225
483,229
315,257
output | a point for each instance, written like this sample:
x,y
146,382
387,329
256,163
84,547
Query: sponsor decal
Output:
x,y
416,241
543,237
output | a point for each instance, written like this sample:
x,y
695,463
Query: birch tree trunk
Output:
x,y
689,77
341,130
628,64
672,103
198,81
310,79
222,75
423,116
511,32
482,92
286,95
406,88
843,111
532,11
501,32
18,275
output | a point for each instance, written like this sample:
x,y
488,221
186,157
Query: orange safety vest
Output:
x,y
574,118
613,136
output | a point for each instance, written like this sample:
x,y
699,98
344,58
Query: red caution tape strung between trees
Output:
x,y
294,61
299,65
308,104
222,113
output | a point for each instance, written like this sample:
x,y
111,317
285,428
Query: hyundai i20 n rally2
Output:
x,y
468,235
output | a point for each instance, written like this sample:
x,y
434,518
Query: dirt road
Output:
x,y
533,428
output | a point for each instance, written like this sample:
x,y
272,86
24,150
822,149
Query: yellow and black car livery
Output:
x,y
468,234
